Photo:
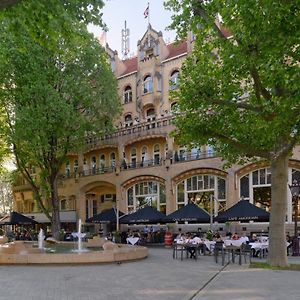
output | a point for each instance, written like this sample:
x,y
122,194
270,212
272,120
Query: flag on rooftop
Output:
x,y
146,12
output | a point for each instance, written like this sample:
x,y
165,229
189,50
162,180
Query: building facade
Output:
x,y
141,163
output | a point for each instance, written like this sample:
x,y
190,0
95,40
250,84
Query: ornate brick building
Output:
x,y
141,163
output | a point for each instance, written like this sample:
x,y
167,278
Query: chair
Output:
x,y
233,251
219,249
246,250
178,248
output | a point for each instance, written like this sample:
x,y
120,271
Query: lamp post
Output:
x,y
295,190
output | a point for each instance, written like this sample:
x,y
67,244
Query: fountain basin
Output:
x,y
22,252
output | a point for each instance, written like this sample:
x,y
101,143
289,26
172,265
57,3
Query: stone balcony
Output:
x,y
161,126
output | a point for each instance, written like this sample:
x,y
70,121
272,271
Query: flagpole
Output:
x,y
148,14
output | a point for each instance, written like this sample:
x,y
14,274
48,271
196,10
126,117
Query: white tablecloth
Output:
x,y
236,243
132,240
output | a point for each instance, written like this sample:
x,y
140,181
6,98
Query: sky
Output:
x,y
116,12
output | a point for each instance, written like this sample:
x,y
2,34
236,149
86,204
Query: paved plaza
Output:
x,y
158,277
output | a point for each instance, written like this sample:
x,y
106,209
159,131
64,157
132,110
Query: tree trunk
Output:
x,y
277,237
55,222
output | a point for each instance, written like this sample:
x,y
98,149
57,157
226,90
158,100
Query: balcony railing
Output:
x,y
94,141
124,166
141,164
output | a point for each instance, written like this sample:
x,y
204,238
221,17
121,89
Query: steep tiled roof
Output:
x,y
130,64
177,49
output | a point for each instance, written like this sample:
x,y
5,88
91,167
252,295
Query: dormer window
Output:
x,y
148,85
174,80
127,96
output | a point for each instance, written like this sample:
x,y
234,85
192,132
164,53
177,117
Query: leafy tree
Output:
x,y
241,94
46,21
53,95
6,196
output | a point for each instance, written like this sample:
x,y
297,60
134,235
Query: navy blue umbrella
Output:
x,y
146,215
243,211
107,216
190,213
16,218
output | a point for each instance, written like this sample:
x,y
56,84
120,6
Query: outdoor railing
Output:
x,y
94,141
124,166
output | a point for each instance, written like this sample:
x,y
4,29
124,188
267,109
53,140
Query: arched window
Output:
x,y
127,95
148,85
174,80
128,120
63,204
207,191
145,193
156,154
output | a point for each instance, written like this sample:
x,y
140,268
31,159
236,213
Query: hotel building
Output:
x,y
141,163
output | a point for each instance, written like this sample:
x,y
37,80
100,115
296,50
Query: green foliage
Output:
x,y
56,86
240,95
46,21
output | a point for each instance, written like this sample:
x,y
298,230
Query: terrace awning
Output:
x,y
107,216
16,218
146,215
243,211
190,213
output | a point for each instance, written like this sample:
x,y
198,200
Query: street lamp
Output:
x,y
295,190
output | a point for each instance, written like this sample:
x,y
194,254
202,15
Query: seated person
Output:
x,y
217,237
235,236
196,240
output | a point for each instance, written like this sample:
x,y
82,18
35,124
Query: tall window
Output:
x,y
68,169
63,204
75,166
145,193
207,191
113,159
148,85
94,165
144,156
156,154
133,157
174,80
102,162
256,187
127,96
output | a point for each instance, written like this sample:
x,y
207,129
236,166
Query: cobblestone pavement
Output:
x,y
157,277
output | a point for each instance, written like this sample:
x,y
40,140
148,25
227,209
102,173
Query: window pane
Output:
x,y
221,188
189,184
180,192
255,177
244,186
262,176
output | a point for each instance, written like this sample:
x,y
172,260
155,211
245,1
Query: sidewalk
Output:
x,y
158,277
241,282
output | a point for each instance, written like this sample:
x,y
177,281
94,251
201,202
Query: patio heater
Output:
x,y
295,191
